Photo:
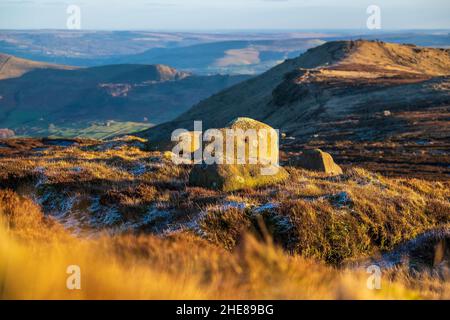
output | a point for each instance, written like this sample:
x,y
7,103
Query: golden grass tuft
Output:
x,y
37,270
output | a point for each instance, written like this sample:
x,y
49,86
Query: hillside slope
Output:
x,y
227,57
344,92
13,67
45,98
331,81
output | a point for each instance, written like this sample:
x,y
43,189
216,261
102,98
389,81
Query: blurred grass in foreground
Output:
x,y
35,252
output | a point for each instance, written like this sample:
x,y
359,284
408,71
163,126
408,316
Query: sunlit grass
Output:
x,y
227,261
35,253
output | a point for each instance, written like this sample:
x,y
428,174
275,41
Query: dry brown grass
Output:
x,y
376,214
147,267
330,220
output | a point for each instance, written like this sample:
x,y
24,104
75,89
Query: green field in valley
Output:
x,y
93,130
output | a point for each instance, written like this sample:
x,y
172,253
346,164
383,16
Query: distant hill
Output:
x,y
233,52
233,57
356,90
201,53
49,99
13,67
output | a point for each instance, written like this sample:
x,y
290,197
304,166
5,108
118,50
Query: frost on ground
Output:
x,y
118,187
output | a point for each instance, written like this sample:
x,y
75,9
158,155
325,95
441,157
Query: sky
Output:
x,y
209,15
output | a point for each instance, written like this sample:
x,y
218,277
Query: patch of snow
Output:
x,y
194,224
111,218
266,207
139,170
103,216
65,207
234,205
42,178
95,205
283,223
156,218
342,199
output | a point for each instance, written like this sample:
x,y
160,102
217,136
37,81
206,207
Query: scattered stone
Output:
x,y
6,133
317,160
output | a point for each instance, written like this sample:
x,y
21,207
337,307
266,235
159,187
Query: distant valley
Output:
x,y
38,99
244,52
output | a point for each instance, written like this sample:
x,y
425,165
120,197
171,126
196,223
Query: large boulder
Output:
x,y
237,176
229,178
317,160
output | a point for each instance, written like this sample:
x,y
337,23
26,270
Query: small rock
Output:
x,y
317,160
6,133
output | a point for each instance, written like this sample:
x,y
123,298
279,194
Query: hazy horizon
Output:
x,y
237,31
198,15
